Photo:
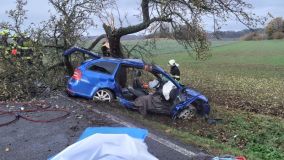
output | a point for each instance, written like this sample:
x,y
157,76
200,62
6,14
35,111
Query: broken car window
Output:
x,y
103,67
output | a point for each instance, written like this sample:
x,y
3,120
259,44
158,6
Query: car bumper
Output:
x,y
74,89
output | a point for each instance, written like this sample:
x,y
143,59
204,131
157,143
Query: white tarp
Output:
x,y
106,147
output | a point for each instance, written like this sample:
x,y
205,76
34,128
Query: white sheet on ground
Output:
x,y
106,147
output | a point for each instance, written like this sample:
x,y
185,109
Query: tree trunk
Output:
x,y
115,47
113,37
69,67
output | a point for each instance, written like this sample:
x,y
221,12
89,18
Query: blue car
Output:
x,y
107,79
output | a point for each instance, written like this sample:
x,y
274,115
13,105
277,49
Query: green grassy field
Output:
x,y
246,75
245,84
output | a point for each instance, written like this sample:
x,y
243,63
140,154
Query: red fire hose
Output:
x,y
41,107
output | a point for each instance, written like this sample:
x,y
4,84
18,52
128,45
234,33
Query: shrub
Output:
x,y
274,26
253,37
278,35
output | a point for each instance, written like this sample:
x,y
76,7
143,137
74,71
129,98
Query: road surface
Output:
x,y
25,140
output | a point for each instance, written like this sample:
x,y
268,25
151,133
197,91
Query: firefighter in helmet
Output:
x,y
174,69
4,38
105,49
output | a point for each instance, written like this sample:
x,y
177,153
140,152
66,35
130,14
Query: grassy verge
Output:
x,y
240,133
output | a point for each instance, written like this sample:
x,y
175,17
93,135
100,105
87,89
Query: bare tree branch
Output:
x,y
95,42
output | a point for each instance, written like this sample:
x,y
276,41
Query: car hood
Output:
x,y
194,93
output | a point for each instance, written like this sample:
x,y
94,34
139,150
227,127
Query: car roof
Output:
x,y
133,62
129,61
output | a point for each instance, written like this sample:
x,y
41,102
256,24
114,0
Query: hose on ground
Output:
x,y
41,107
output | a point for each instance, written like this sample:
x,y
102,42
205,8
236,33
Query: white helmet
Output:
x,y
172,62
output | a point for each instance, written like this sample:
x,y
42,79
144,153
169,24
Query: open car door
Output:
x,y
75,56
72,50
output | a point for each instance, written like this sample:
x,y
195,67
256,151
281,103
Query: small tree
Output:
x,y
275,28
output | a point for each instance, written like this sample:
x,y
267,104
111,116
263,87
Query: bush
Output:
x,y
24,77
278,35
274,26
253,37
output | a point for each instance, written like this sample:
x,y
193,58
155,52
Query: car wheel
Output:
x,y
188,113
103,95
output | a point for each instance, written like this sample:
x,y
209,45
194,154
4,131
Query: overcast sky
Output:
x,y
38,11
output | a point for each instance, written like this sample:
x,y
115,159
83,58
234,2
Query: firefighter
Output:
x,y
17,44
21,47
4,37
14,49
174,69
25,45
4,45
105,49
19,40
14,45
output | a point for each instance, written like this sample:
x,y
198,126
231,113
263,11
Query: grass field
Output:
x,y
245,84
246,75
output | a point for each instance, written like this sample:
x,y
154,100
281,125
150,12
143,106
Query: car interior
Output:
x,y
137,80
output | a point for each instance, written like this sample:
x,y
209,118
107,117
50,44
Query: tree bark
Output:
x,y
114,41
69,67
115,47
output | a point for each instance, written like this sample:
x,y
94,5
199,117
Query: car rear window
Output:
x,y
103,67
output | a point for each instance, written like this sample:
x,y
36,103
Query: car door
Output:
x,y
121,85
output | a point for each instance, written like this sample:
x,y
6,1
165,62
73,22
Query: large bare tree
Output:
x,y
179,14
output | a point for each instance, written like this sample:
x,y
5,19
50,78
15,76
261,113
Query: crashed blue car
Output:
x,y
107,79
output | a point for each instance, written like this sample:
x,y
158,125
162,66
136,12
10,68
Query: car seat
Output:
x,y
136,88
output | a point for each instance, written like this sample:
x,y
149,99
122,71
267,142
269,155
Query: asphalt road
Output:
x,y
26,140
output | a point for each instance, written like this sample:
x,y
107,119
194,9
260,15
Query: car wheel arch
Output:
x,y
104,88
201,105
196,104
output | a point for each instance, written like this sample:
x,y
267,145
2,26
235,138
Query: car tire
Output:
x,y
103,95
188,113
